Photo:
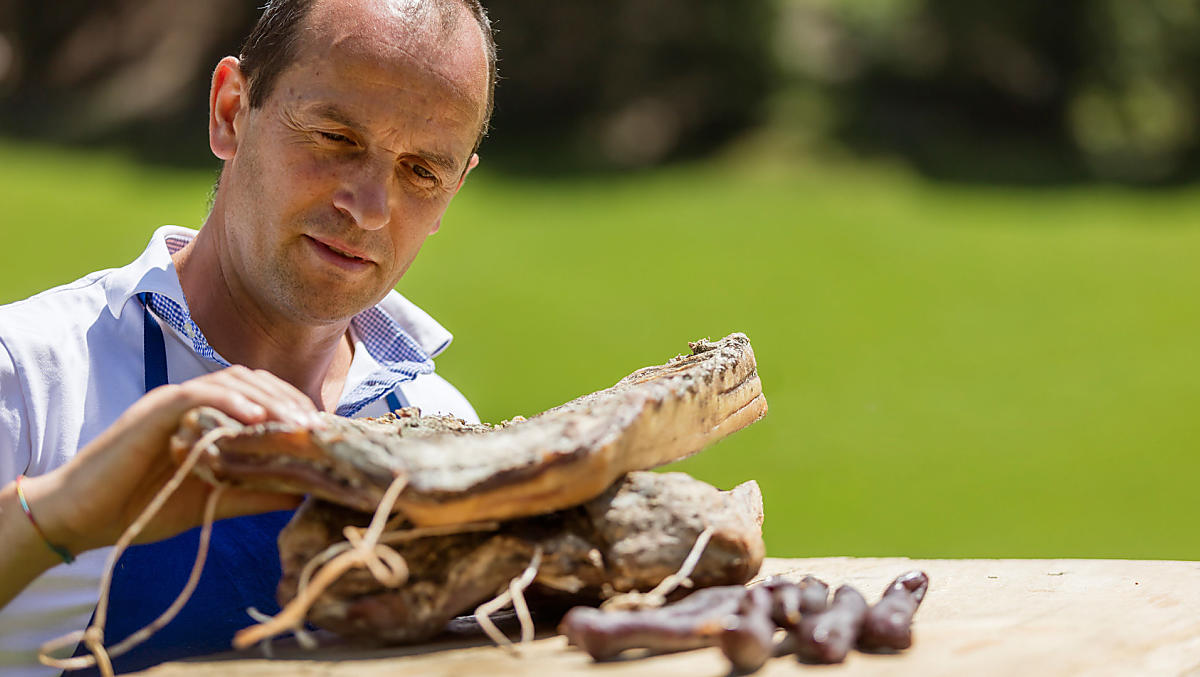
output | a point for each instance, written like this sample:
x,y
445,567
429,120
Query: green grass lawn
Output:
x,y
952,371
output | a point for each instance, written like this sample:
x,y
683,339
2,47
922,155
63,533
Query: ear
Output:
x,y
227,100
471,164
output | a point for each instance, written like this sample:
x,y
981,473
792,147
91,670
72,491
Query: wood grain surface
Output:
x,y
981,617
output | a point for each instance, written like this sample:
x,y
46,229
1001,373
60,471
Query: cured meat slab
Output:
x,y
458,473
630,537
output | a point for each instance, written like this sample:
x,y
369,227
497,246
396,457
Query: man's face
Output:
x,y
353,158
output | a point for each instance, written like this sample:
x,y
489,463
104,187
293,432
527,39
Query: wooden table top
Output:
x,y
980,617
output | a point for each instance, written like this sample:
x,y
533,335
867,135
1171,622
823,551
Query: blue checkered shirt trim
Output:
x,y
399,356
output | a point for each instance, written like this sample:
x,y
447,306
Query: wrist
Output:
x,y
20,536
51,508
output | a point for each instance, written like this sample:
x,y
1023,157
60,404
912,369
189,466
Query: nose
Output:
x,y
364,195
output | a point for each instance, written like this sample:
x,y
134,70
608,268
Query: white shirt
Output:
x,y
71,361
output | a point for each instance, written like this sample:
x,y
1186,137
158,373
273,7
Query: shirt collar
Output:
x,y
154,272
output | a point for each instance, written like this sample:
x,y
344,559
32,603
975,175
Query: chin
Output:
x,y
324,300
326,306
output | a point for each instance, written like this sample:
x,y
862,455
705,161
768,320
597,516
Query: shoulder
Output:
x,y
52,325
40,342
55,308
63,359
56,325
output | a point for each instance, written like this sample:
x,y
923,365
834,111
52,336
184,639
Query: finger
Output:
x,y
277,391
235,401
283,390
156,414
265,390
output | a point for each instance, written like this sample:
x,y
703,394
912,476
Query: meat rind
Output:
x,y
458,473
644,545
629,538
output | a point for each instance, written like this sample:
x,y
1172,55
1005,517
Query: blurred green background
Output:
x,y
961,236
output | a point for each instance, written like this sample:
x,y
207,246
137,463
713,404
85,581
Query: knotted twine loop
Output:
x,y
361,549
369,548
93,636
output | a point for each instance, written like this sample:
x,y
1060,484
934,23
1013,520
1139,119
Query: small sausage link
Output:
x,y
747,637
790,600
690,623
888,624
827,637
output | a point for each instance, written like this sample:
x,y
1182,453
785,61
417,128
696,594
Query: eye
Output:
x,y
334,137
423,173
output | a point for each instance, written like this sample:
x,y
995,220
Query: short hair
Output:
x,y
271,48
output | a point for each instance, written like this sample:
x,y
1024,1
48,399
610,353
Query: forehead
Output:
x,y
394,52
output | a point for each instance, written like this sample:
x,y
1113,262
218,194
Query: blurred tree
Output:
x,y
608,82
1023,90
1020,90
133,71
1133,113
629,82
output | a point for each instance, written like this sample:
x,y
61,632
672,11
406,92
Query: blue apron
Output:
x,y
242,570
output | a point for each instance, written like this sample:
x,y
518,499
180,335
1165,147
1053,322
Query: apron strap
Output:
x,y
396,400
242,570
153,347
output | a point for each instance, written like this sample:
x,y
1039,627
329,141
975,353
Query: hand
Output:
x,y
90,501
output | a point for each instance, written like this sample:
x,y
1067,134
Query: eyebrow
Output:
x,y
446,162
331,112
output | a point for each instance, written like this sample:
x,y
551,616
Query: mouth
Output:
x,y
337,253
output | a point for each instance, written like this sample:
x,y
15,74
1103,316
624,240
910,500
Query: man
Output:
x,y
345,128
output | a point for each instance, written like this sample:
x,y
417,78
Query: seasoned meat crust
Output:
x,y
630,537
458,473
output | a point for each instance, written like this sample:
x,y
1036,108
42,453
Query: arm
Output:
x,y
90,501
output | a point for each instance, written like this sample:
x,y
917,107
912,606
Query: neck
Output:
x,y
313,358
